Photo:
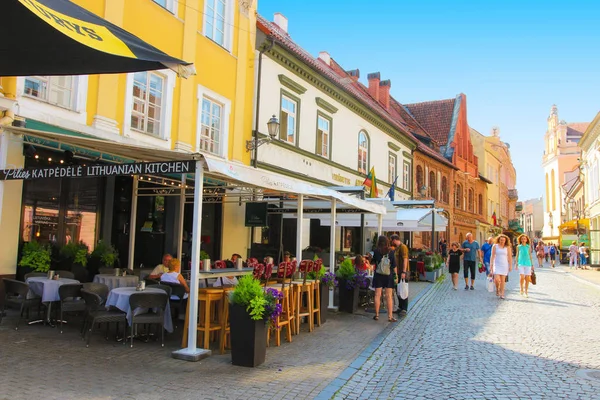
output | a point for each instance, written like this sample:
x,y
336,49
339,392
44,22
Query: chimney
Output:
x,y
354,74
374,84
325,57
281,21
384,93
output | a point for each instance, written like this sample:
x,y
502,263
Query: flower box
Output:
x,y
248,338
348,298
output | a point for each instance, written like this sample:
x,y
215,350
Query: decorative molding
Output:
x,y
393,146
292,64
407,154
106,124
182,146
290,84
245,6
326,106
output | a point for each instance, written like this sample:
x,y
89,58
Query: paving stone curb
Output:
x,y
343,378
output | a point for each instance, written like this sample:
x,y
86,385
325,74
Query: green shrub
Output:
x,y
106,253
250,294
36,256
346,270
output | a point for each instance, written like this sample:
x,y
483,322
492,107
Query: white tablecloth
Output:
x,y
46,288
114,282
119,298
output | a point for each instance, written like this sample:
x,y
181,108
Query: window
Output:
x,y
363,152
432,185
406,176
444,194
170,5
458,196
392,162
480,204
211,126
287,130
214,21
323,135
57,90
419,178
470,200
146,115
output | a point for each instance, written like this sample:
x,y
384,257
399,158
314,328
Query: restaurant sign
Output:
x,y
97,170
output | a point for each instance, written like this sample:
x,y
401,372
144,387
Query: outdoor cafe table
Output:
x,y
114,282
119,298
47,289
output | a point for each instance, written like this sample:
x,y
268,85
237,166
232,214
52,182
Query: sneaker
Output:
x,y
466,287
454,288
472,288
403,313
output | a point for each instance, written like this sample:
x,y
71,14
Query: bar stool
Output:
x,y
317,293
225,327
208,320
303,293
285,319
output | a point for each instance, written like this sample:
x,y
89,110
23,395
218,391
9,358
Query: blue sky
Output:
x,y
512,59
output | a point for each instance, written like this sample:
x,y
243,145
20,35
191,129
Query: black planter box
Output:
x,y
248,338
324,303
348,298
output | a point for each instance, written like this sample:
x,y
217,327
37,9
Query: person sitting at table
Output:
x,y
173,276
161,268
287,256
228,280
232,263
361,263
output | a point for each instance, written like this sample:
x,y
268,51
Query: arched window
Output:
x,y
419,178
480,204
432,185
458,196
363,152
444,194
553,191
470,200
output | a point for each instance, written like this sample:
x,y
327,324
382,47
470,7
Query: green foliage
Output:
x,y
204,255
317,275
346,270
77,253
438,260
36,256
250,294
81,257
428,260
106,253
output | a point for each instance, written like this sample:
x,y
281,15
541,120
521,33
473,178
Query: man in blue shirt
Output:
x,y
470,247
486,250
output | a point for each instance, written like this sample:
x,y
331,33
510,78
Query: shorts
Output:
x,y
383,281
469,266
552,256
523,270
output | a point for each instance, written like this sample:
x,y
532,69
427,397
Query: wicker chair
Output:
x,y
70,300
16,295
156,303
99,288
166,288
150,281
35,275
178,301
65,274
96,314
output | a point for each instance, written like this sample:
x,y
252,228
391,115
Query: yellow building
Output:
x,y
209,112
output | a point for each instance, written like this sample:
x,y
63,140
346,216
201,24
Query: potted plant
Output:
x,y
74,258
429,273
251,309
34,258
438,263
350,280
105,253
327,280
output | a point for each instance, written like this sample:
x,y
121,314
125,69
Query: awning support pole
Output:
x,y
332,248
433,229
299,227
379,224
192,353
133,222
181,217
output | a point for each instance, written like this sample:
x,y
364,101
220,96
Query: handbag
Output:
x,y
533,278
383,267
402,289
506,278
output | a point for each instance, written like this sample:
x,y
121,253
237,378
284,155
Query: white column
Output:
x,y
299,227
192,353
181,216
332,247
379,224
132,222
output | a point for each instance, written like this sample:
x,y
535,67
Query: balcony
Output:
x,y
519,207
513,194
515,225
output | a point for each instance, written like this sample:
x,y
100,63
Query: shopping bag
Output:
x,y
490,284
481,268
533,278
402,289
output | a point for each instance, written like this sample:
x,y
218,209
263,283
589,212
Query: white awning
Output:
x,y
409,220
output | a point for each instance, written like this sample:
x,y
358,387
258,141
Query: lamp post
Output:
x,y
273,129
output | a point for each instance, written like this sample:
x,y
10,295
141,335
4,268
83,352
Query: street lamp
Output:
x,y
273,129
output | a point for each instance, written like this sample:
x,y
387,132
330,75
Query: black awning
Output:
x,y
57,37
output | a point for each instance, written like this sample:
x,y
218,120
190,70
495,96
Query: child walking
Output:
x,y
453,262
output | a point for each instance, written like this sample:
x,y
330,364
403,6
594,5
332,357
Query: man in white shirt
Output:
x,y
161,268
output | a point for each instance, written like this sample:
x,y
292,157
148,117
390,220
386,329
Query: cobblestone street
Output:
x,y
469,344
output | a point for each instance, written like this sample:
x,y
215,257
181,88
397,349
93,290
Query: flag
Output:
x,y
392,192
373,192
494,218
369,179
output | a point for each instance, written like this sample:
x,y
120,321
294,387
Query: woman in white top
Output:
x,y
173,276
501,263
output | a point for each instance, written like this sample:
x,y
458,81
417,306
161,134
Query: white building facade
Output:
x,y
590,156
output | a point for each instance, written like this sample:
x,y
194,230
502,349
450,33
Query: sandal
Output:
x,y
376,318
392,319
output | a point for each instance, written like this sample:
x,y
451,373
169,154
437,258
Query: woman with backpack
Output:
x,y
385,276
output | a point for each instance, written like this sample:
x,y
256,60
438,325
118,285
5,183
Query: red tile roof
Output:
x,y
435,117
334,74
579,126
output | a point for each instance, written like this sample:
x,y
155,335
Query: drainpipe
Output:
x,y
255,133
